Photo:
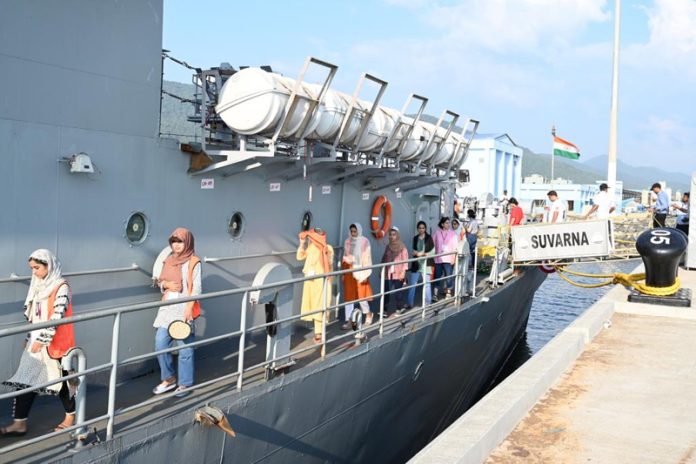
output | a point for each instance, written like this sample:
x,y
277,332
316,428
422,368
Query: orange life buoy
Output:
x,y
381,202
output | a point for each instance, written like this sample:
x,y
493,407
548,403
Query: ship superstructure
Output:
x,y
87,175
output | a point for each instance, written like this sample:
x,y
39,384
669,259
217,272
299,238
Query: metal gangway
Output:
x,y
246,372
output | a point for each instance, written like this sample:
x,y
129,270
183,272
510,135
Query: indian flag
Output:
x,y
565,149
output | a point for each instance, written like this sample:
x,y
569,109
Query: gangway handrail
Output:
x,y
133,267
255,255
118,311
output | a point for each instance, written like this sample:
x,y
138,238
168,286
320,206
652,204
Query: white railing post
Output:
x,y
323,317
457,280
423,274
81,396
242,341
381,300
112,378
473,273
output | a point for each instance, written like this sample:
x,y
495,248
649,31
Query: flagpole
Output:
x,y
553,134
613,117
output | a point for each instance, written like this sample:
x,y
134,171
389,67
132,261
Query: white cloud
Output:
x,y
672,43
506,26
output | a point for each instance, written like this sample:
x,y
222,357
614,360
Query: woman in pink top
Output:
x,y
395,275
445,241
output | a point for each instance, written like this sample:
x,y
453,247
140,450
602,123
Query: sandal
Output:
x,y
11,433
368,319
163,387
317,339
64,425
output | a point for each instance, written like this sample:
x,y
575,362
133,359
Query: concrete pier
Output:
x,y
617,386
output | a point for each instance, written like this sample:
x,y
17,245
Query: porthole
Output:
x,y
236,225
306,221
137,228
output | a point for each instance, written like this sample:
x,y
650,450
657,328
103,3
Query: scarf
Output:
x,y
319,240
40,289
397,245
171,269
354,245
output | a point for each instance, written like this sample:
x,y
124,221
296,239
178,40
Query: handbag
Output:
x,y
179,330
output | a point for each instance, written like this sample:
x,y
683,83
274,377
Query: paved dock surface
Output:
x,y
616,386
629,398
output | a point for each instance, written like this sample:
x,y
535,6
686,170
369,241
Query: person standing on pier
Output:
x,y
356,285
516,213
601,204
556,212
180,277
661,207
318,256
48,299
683,214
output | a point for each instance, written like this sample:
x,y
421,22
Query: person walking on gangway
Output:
x,y
48,299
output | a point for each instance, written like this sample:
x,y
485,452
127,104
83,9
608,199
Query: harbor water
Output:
x,y
558,303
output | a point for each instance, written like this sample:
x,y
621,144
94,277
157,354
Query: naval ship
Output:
x,y
87,174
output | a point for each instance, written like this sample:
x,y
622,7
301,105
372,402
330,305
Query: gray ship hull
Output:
x,y
84,78
371,404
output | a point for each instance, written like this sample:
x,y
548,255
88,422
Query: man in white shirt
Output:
x,y
504,202
602,204
683,213
557,210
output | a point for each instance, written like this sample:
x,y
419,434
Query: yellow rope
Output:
x,y
628,280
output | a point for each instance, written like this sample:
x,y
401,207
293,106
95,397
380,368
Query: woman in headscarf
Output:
x,y
472,229
48,298
356,284
395,275
463,253
180,277
445,241
318,256
422,246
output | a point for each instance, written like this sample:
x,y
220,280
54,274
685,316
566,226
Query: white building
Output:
x,y
533,197
495,164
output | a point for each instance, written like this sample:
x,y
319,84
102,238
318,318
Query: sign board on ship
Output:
x,y
566,240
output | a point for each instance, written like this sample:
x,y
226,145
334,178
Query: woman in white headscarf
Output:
x,y
48,299
356,285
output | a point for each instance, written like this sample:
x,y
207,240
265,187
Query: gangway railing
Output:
x,y
218,259
17,278
117,313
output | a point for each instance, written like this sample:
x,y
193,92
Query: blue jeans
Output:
x,y
472,239
394,300
442,270
413,279
166,363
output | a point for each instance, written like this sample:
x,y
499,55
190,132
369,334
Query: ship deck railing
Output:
x,y
79,430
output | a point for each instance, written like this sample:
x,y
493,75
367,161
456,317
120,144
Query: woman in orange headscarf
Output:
x,y
180,277
318,257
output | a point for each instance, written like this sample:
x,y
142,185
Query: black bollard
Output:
x,y
661,250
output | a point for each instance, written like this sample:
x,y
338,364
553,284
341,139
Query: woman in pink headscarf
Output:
x,y
180,277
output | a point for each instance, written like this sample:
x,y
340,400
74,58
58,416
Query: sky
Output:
x,y
518,66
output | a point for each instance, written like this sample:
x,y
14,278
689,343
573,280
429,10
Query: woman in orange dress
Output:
x,y
356,284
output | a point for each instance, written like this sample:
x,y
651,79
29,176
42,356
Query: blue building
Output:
x,y
495,164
